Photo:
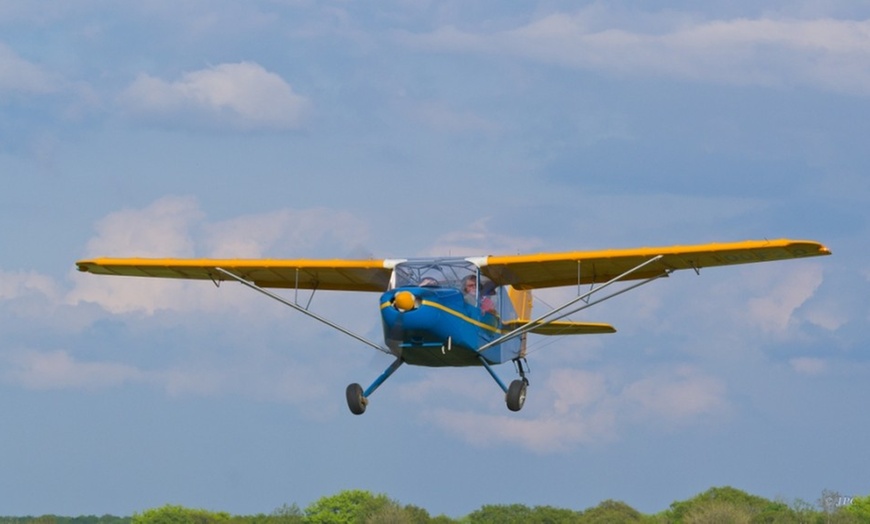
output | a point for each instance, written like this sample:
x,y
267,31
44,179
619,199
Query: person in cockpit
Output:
x,y
471,292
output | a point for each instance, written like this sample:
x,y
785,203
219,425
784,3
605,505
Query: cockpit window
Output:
x,y
437,273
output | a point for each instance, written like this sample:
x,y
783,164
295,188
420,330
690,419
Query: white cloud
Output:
x,y
242,96
541,435
576,407
294,233
19,75
478,238
784,292
22,284
809,365
825,53
161,229
59,370
175,227
683,394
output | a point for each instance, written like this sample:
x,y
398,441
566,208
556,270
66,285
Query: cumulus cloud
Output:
x,y
291,232
161,229
676,396
242,96
478,238
19,284
825,53
809,365
19,75
576,407
786,291
176,227
59,370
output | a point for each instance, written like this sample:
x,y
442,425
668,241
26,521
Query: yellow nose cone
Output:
x,y
404,301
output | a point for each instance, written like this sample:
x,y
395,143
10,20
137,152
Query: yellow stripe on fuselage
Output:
x,y
455,313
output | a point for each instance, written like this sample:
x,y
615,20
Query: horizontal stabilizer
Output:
x,y
564,327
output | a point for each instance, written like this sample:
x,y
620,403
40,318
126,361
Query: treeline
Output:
x,y
725,505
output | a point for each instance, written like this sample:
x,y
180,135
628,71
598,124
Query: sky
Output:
x,y
405,128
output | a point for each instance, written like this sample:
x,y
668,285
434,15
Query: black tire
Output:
x,y
516,395
355,399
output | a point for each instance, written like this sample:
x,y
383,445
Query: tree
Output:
x,y
741,505
519,513
860,508
170,514
718,512
500,513
611,511
286,515
347,507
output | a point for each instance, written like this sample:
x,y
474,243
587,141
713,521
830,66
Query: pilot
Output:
x,y
470,290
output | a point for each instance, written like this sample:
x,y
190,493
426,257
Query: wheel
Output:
x,y
355,399
516,395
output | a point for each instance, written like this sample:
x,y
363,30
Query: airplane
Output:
x,y
463,311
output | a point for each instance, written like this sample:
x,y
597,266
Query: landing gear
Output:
x,y
516,394
356,401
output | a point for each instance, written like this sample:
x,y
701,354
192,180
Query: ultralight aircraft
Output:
x,y
464,311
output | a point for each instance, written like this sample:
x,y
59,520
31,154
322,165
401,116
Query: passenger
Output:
x,y
470,290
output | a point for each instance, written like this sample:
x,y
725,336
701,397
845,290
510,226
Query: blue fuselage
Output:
x,y
442,329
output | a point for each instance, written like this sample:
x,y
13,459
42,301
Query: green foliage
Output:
x,y
347,507
286,515
519,513
859,508
611,511
170,514
54,519
716,505
728,504
495,513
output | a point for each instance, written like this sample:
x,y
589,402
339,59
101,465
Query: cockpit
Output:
x,y
449,274
436,273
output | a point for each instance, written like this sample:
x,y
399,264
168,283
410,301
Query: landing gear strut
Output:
x,y
357,399
515,395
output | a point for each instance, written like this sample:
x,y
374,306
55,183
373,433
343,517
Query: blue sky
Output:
x,y
302,129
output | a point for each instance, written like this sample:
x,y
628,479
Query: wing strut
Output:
x,y
302,310
554,315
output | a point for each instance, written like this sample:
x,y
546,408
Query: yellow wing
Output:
x,y
586,267
336,275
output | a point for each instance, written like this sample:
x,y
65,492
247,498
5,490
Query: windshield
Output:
x,y
428,273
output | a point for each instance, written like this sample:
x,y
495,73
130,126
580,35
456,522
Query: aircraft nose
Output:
x,y
404,301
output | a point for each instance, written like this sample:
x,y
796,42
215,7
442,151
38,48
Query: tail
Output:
x,y
522,303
